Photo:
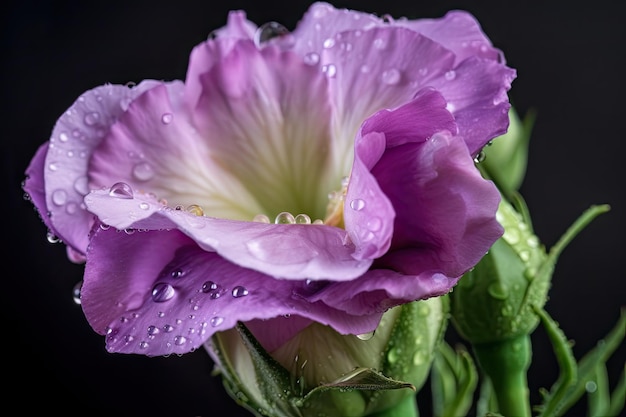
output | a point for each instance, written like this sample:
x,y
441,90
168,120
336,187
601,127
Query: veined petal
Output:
x,y
154,147
265,114
290,251
64,169
476,92
448,223
157,293
459,32
374,73
369,214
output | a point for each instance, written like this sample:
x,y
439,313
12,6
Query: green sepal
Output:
x,y
272,378
453,381
347,393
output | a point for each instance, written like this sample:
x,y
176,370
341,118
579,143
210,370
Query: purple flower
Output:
x,y
325,174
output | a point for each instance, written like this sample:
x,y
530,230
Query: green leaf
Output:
x,y
618,396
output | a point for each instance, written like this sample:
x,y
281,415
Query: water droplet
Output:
x,y
357,204
162,292
209,286
302,219
479,157
423,310
391,76
121,190
143,171
380,43
177,273
53,166
180,340
328,43
393,355
216,321
274,32
153,330
498,291
59,197
168,328
166,118
144,206
591,387
239,291
261,218
195,210
52,238
330,70
92,118
511,235
63,137
532,241
366,336
311,58
76,292
284,218
450,75
419,357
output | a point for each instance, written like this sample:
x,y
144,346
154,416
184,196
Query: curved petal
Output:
x,y
265,114
158,293
448,223
457,31
369,213
375,73
476,92
290,251
76,133
154,147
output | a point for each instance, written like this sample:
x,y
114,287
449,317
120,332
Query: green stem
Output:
x,y
407,407
506,363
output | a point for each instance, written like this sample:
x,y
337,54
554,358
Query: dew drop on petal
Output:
x,y
195,210
498,291
450,75
239,291
380,43
261,218
153,330
121,190
208,286
143,171
269,31
357,204
92,118
216,321
284,218
391,76
330,70
162,292
168,328
302,219
52,238
59,197
81,185
166,118
180,340
311,58
144,206
366,336
328,43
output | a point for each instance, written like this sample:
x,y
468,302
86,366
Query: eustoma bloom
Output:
x,y
324,175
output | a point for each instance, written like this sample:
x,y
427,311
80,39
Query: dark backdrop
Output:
x,y
570,62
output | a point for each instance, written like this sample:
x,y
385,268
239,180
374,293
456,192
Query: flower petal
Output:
x,y
375,73
158,293
290,251
476,92
369,213
449,222
265,114
459,32
77,132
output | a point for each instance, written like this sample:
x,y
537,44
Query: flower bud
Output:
x,y
506,157
320,372
492,302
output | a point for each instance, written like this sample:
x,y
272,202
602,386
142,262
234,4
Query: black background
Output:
x,y
570,62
